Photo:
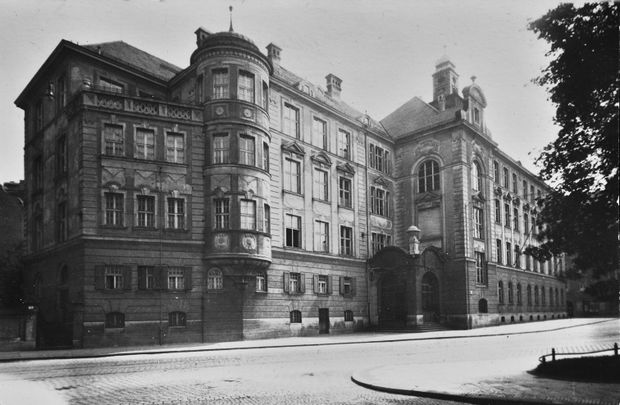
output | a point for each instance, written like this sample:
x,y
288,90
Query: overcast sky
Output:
x,y
384,51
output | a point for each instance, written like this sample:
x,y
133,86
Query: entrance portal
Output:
x,y
430,297
323,320
393,309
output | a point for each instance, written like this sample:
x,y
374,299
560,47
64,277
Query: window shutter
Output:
x,y
141,278
127,277
99,277
330,282
287,278
187,275
302,283
316,283
353,286
341,285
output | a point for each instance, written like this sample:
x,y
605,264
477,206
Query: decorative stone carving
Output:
x,y
113,175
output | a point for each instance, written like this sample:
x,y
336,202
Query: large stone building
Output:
x,y
233,199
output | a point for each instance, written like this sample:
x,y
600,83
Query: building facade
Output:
x,y
233,199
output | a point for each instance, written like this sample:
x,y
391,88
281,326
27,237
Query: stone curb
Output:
x,y
71,354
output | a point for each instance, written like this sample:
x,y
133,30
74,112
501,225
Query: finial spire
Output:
x,y
230,29
473,79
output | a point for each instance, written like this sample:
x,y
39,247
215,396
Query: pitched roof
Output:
x,y
414,115
137,58
321,95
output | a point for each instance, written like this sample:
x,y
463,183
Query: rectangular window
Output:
x,y
515,218
526,223
177,319
62,221
220,84
61,155
507,215
292,176
261,282
319,133
344,144
498,248
146,211
379,158
379,241
509,254
346,241
247,209
145,144
247,150
344,192
245,84
496,177
532,193
114,209
267,219
379,201
525,196
481,269
265,157
506,178
113,277
478,223
222,213
321,236
498,211
295,283
292,224
176,213
199,89
175,147
347,286
321,185
265,96
290,120
176,278
517,256
515,184
146,277
113,139
110,85
321,284
221,149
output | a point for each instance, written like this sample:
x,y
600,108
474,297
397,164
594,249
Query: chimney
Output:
x,y
201,35
273,53
333,86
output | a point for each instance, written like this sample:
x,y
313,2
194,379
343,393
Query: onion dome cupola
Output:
x,y
235,76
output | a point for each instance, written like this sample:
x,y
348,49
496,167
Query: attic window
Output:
x,y
110,85
476,115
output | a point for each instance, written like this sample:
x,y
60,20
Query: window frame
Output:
x,y
173,151
482,272
175,278
176,217
246,86
114,320
319,133
291,120
345,196
321,184
114,209
215,279
145,217
344,144
321,236
113,142
221,148
292,234
220,79
143,149
221,213
292,178
177,319
247,150
247,214
429,172
346,240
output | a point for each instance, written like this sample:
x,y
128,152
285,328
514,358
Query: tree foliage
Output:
x,y
580,215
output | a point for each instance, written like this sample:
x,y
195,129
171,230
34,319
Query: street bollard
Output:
x,y
552,354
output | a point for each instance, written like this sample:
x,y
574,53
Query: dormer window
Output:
x,y
476,115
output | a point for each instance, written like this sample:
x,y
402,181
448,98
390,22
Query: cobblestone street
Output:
x,y
286,375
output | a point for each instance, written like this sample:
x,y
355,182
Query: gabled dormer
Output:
x,y
475,103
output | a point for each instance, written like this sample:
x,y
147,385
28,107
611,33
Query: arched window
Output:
x,y
295,316
535,295
348,315
114,320
529,294
215,280
519,294
428,176
483,306
476,177
510,293
177,319
557,297
543,296
500,292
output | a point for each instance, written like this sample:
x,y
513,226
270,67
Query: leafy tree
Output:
x,y
580,215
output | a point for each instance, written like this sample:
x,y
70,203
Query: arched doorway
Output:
x,y
393,303
430,298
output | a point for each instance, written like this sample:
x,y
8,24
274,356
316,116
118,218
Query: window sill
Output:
x,y
145,228
292,193
215,291
345,207
261,292
117,227
321,200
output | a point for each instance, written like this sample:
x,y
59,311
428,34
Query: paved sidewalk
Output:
x,y
321,340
